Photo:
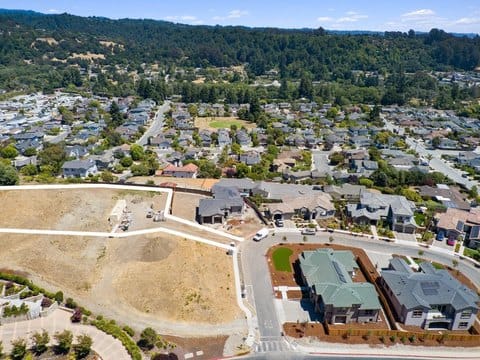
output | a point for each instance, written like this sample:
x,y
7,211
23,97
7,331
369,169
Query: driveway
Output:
x,y
104,345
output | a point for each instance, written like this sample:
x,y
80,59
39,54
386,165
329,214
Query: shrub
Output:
x,y
64,342
77,316
70,303
121,335
403,339
58,296
382,339
412,338
129,331
393,338
19,349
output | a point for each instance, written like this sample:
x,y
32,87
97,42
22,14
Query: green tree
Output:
x,y
366,182
64,341
140,170
83,346
58,297
8,175
19,349
9,152
107,177
126,161
40,342
1,349
436,141
116,118
337,158
148,338
136,152
53,155
29,170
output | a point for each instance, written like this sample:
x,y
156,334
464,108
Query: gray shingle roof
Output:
x,y
428,287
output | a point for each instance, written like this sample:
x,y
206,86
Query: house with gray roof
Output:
x,y
79,168
396,210
430,298
329,275
227,201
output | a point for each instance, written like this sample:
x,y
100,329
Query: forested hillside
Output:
x,y
35,47
292,50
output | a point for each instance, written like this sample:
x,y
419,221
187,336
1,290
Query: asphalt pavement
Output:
x,y
156,126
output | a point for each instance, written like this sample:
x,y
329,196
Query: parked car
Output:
x,y
279,222
451,242
308,231
440,236
261,234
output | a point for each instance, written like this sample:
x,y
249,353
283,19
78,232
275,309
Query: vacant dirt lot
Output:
x,y
58,209
141,281
177,286
185,205
75,209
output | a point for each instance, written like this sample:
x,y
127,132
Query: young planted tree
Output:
x,y
19,349
83,346
64,342
40,342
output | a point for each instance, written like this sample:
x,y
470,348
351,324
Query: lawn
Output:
x,y
214,123
281,259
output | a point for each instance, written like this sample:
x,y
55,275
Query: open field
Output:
x,y
175,285
215,123
143,281
73,209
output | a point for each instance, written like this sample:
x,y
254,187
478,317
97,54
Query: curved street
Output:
x,y
260,292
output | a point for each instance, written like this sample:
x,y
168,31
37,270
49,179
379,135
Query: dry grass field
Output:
x,y
153,280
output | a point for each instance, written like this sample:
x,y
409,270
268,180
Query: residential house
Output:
x,y
243,138
187,171
459,224
250,158
449,196
227,201
224,138
244,186
348,192
289,200
79,168
395,210
21,161
430,298
330,276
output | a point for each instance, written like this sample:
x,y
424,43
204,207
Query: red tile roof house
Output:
x,y
187,171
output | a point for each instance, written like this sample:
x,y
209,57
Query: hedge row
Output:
x,y
24,281
117,332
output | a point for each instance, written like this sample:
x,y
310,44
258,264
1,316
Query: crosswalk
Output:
x,y
272,345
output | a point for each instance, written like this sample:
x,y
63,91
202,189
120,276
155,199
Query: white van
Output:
x,y
261,234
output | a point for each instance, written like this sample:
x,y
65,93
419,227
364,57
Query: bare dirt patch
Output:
x,y
201,184
73,209
88,56
198,287
185,205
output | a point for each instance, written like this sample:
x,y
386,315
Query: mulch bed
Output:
x,y
317,330
212,347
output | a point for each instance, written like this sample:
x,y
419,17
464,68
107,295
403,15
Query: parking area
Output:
x,y
443,244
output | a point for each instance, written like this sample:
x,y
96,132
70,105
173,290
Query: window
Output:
x,y
417,313
369,312
466,314
463,325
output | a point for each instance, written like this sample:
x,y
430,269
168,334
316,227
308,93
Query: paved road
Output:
x,y
257,277
437,163
105,345
156,125
320,161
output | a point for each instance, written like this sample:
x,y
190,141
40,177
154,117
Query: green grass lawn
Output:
x,y
220,124
281,259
